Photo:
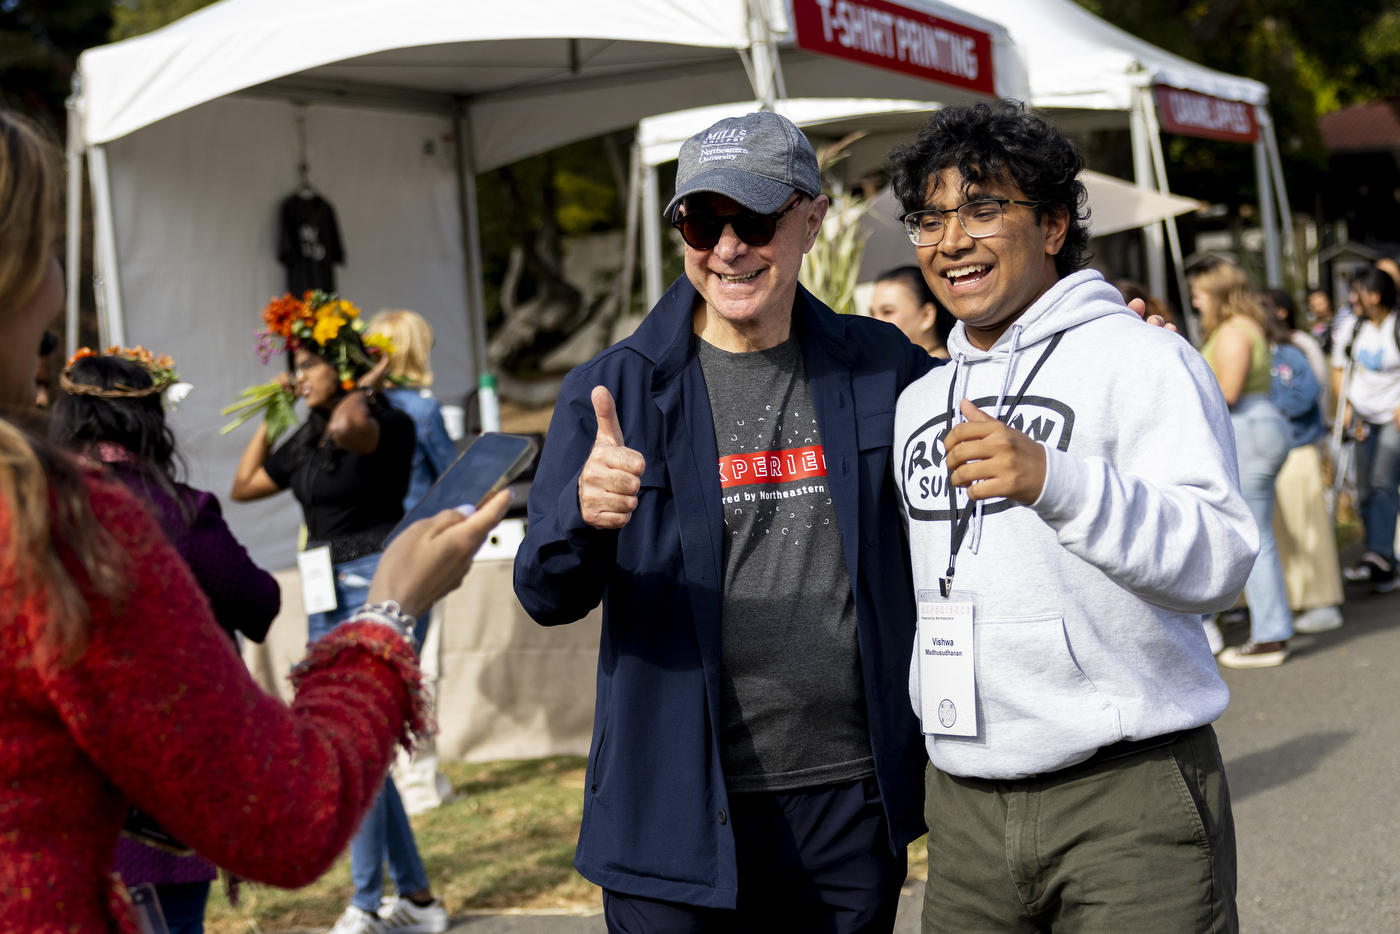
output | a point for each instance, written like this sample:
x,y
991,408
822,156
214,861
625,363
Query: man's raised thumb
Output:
x,y
609,428
973,414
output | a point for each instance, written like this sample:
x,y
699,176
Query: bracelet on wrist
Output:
x,y
390,614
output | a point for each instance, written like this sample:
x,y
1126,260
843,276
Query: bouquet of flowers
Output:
x,y
323,323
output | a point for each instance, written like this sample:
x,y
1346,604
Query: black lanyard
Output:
x,y
957,528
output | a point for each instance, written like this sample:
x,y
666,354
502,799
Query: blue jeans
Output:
x,y
386,831
1262,441
1378,483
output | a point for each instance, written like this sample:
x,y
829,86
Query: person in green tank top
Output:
x,y
1237,349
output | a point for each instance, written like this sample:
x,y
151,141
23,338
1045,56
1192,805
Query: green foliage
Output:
x,y
269,400
39,45
1315,58
137,17
829,271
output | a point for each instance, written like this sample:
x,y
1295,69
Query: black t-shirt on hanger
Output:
x,y
309,243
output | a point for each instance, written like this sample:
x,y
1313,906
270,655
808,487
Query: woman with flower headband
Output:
x,y
117,686
112,411
349,466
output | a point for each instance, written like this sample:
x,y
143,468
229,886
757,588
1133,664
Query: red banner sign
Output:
x,y
772,466
1193,114
897,38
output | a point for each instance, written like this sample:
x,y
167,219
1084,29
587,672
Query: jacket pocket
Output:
x,y
1037,705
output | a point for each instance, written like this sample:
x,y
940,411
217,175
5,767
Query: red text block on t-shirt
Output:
x,y
772,466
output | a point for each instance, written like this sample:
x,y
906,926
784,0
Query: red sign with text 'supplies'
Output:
x,y
897,38
1191,113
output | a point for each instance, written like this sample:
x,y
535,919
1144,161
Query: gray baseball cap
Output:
x,y
757,159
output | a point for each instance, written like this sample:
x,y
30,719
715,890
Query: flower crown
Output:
x,y
328,325
161,368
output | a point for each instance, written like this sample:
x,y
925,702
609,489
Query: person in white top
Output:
x,y
1373,404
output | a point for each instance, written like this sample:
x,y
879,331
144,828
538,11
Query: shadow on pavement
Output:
x,y
1269,768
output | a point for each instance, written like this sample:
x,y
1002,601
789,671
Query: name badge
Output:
x,y
947,664
317,580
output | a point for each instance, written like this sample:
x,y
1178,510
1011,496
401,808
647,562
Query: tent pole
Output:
x,y
73,234
471,236
1290,244
107,281
629,239
1159,163
651,236
764,53
1273,259
1145,177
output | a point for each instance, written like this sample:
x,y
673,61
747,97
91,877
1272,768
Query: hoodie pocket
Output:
x,y
1037,704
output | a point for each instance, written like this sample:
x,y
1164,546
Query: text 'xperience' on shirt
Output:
x,y
792,698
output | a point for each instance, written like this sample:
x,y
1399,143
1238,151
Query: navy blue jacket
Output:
x,y
655,813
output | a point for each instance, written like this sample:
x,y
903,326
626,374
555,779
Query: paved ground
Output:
x,y
1312,752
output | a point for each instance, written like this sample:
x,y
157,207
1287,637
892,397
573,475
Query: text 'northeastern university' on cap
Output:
x,y
757,159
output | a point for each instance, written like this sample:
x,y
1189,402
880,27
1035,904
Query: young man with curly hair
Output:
x,y
1075,781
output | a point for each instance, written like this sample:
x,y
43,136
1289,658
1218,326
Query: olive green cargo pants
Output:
x,y
1137,845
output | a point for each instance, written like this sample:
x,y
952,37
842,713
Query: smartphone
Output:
x,y
483,470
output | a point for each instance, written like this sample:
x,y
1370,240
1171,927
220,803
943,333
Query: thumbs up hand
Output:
x,y
608,485
992,460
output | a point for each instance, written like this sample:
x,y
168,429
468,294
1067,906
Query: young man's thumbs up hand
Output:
x,y
608,485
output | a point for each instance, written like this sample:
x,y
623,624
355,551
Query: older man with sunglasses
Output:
x,y
720,482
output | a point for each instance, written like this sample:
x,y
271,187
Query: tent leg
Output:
x,y
1159,164
73,255
766,72
1145,177
1273,254
1290,244
471,237
107,280
651,236
629,244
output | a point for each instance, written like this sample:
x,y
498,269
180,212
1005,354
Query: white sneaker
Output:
x,y
356,921
1320,619
1213,636
401,916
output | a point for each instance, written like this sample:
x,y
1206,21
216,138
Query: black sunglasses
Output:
x,y
702,231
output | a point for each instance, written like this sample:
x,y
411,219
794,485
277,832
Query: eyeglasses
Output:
x,y
703,230
977,219
302,369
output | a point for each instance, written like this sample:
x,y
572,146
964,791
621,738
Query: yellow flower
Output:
x,y
346,309
380,341
327,328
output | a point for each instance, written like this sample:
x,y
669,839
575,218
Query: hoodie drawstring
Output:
x,y
1001,400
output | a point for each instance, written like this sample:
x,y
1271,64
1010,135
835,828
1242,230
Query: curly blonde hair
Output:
x,y
413,341
1232,296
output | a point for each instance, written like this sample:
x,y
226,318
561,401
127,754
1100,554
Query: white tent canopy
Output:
x,y
194,133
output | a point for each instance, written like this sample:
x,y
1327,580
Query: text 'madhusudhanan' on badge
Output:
x,y
947,664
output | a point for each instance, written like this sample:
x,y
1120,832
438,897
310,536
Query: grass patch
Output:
x,y
506,841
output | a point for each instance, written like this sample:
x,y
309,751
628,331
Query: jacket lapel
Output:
x,y
829,356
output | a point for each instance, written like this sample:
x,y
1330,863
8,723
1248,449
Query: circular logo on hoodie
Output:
x,y
947,713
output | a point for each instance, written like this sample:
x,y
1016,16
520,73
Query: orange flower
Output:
x,y
347,384
282,313
79,354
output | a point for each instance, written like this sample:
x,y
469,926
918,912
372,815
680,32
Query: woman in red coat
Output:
x,y
117,686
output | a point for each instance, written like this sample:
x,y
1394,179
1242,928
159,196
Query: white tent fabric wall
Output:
x,y
195,202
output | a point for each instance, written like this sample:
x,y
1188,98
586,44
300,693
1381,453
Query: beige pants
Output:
x,y
1307,547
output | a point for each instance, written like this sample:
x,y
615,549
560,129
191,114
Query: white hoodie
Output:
x,y
1090,628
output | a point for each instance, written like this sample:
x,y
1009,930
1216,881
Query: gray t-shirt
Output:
x,y
792,707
